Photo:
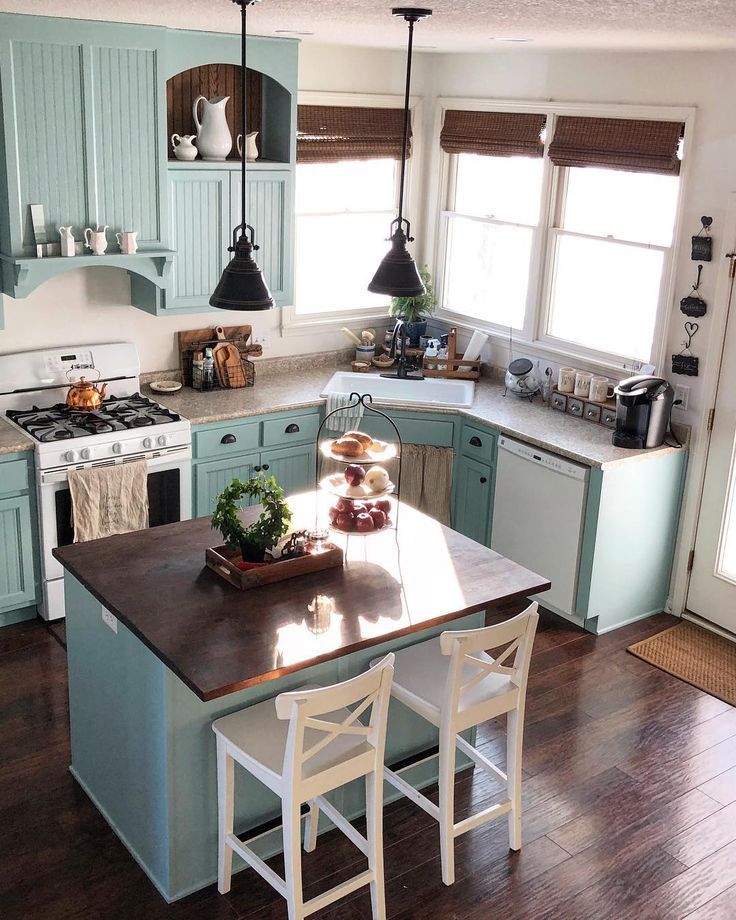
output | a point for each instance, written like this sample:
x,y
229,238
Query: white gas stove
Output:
x,y
127,426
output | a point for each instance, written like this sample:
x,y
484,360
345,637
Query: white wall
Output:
x,y
94,304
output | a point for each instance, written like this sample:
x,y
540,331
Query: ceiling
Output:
x,y
457,25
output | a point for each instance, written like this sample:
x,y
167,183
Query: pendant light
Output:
x,y
242,286
397,274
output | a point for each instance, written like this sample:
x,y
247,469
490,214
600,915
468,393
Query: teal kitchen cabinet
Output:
x,y
81,135
204,209
473,499
18,552
279,444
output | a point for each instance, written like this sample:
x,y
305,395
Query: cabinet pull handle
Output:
x,y
228,439
265,466
483,480
257,469
291,429
475,441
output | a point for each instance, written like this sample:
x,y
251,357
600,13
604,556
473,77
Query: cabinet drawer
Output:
x,y
236,438
413,430
477,443
13,476
290,429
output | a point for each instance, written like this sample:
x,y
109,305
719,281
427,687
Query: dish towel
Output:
x,y
109,500
426,479
347,419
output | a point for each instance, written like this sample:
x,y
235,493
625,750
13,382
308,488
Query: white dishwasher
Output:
x,y
538,517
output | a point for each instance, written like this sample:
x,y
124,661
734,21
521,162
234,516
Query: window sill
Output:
x,y
540,349
322,323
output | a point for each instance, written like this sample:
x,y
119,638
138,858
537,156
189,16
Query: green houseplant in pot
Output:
x,y
415,310
263,534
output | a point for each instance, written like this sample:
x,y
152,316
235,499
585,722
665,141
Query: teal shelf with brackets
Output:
x,y
21,275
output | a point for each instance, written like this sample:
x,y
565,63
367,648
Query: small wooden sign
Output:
x,y
224,562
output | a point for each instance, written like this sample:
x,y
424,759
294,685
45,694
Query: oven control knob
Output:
x,y
71,456
86,453
117,448
148,443
162,440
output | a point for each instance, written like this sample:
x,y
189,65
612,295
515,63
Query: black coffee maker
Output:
x,y
643,408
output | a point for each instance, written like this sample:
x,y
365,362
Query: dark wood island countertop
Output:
x,y
219,640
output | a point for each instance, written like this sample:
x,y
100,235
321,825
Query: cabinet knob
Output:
x,y
257,469
483,480
228,439
291,429
475,441
265,466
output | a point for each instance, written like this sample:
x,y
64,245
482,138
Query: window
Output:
x,y
343,213
567,242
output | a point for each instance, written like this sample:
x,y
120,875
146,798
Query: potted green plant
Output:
x,y
414,310
263,534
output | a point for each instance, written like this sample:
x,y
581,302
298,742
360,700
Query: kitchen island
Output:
x,y
159,646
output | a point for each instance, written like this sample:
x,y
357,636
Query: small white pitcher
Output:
x,y
251,148
96,240
184,149
67,241
127,241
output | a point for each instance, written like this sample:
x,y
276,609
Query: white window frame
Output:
x,y
533,336
293,323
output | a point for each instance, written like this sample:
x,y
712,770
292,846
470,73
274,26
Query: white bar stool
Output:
x,y
453,683
305,745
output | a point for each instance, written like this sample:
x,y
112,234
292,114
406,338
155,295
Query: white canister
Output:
x,y
601,389
365,353
582,384
566,379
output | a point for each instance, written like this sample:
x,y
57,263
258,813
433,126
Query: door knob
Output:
x,y
483,480
257,469
265,466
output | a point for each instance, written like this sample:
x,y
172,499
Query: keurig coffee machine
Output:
x,y
643,407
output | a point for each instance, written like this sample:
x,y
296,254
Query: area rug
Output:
x,y
695,655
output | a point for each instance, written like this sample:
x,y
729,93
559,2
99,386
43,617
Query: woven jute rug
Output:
x,y
695,655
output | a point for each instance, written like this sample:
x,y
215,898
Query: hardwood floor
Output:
x,y
629,806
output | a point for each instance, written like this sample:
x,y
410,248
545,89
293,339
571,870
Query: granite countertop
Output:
x,y
576,439
13,441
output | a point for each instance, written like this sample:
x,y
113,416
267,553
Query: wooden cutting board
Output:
x,y
187,338
229,366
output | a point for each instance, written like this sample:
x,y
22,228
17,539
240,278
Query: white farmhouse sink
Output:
x,y
432,391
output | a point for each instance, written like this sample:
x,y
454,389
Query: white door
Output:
x,y
712,592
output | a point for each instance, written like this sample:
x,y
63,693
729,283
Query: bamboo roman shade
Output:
x,y
496,134
326,133
617,143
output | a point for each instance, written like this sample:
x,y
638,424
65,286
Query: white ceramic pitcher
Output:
x,y
67,241
214,140
127,241
251,148
183,145
96,240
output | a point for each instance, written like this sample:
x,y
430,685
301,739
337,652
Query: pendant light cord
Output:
x,y
244,157
406,122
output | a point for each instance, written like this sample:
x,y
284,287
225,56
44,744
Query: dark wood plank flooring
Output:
x,y
629,805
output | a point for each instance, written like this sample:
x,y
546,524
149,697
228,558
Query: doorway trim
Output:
x,y
700,440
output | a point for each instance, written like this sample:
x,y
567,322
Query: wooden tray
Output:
x,y
222,561
454,368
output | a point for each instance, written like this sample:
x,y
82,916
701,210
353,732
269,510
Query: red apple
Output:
x,y
379,518
345,504
354,474
385,505
364,521
345,521
358,507
332,514
369,506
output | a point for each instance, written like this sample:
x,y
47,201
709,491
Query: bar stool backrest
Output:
x,y
370,690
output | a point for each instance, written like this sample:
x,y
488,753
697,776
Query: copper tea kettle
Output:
x,y
85,395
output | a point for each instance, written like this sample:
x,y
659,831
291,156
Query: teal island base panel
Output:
x,y
144,751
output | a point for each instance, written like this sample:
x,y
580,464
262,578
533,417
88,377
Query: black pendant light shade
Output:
x,y
242,285
397,275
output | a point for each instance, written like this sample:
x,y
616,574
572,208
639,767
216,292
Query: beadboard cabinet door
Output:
x,y
17,587
293,467
200,234
473,499
212,477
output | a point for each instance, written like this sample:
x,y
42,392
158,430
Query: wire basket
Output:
x,y
240,376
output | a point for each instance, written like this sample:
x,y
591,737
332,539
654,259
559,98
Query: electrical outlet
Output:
x,y
109,620
261,339
682,393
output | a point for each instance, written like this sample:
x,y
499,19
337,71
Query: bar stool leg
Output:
x,y
225,809
447,806
311,827
291,816
374,834
514,739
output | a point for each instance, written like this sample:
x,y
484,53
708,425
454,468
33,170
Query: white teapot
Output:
x,y
96,240
184,149
251,149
